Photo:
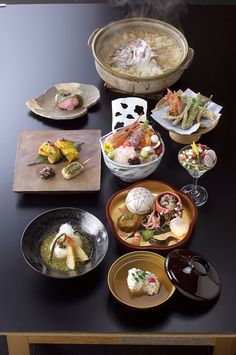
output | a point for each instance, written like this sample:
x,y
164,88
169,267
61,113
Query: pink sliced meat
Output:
x,y
69,104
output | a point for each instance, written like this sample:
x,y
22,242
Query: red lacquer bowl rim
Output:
x,y
152,247
161,208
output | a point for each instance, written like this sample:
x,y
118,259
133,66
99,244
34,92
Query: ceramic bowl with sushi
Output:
x,y
64,243
135,172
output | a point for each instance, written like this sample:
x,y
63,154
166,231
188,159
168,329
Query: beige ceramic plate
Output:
x,y
27,177
44,105
144,260
116,205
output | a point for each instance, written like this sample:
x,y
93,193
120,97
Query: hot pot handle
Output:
x,y
188,60
92,36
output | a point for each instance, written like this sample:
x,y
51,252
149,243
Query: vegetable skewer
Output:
x,y
73,169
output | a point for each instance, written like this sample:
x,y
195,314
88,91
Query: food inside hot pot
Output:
x,y
141,53
135,52
134,144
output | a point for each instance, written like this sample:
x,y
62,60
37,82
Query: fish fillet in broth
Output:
x,y
135,52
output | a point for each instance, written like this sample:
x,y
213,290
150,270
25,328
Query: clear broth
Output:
x,y
60,264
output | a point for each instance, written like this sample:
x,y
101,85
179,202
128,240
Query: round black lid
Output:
x,y
192,275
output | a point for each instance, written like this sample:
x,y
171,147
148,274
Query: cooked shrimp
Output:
x,y
175,102
119,137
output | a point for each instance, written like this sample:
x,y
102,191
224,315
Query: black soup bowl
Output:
x,y
50,221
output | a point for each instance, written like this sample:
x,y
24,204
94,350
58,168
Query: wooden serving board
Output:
x,y
27,178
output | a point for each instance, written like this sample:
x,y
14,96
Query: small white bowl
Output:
x,y
131,173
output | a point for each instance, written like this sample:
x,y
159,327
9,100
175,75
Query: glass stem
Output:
x,y
194,191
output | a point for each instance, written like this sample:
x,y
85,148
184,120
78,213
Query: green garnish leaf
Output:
x,y
135,276
128,215
39,159
63,95
162,230
130,236
42,159
81,100
162,221
78,146
141,274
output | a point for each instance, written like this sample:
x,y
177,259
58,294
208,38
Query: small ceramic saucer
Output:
x,y
44,105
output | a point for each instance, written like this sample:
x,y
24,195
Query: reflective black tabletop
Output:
x,y
46,44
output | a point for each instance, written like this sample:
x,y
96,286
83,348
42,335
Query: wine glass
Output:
x,y
196,159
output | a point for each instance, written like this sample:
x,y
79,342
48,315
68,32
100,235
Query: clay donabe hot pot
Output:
x,y
100,38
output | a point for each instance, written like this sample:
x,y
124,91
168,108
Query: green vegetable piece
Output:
x,y
111,155
73,167
141,274
188,101
145,124
135,276
193,112
144,153
147,234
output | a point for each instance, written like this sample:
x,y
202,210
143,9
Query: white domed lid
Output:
x,y
139,200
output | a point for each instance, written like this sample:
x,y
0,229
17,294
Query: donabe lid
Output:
x,y
192,275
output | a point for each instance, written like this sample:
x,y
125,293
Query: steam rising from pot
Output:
x,y
166,10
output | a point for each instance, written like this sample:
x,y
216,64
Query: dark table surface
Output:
x,y
45,44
